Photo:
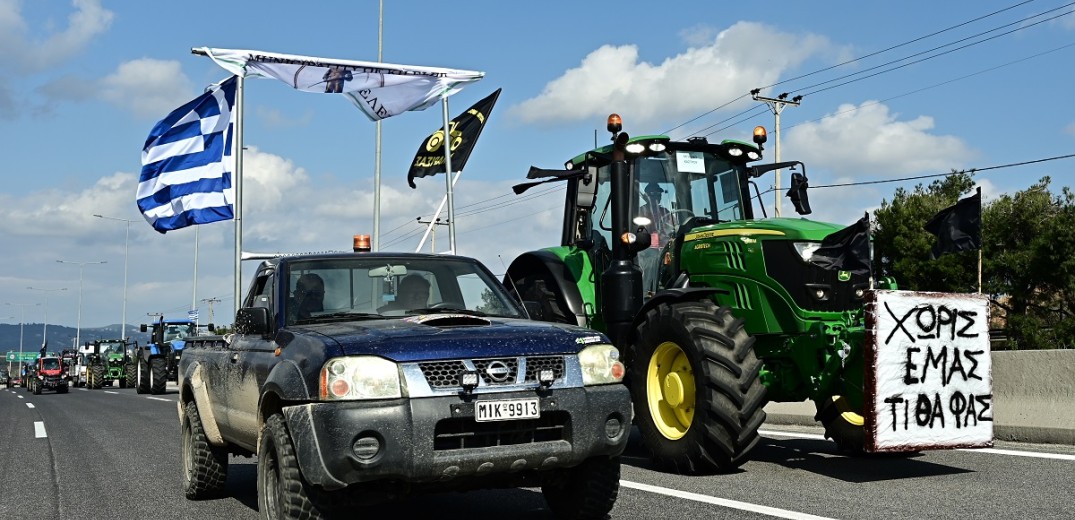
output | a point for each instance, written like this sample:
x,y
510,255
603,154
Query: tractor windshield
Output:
x,y
172,332
669,188
50,364
111,348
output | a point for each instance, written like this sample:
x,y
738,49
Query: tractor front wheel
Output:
x,y
843,424
696,387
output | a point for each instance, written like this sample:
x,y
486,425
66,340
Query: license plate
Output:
x,y
506,410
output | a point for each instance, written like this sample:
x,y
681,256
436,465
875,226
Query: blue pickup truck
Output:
x,y
357,378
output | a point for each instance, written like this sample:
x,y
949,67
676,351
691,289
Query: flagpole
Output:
x,y
448,178
436,215
375,246
237,147
979,246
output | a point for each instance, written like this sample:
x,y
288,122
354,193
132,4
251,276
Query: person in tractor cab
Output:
x,y
659,216
308,298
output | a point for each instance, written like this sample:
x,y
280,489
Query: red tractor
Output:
x,y
49,374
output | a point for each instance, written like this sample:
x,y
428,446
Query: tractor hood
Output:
x,y
772,228
449,336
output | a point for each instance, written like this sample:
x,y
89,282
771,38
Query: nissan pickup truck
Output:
x,y
355,378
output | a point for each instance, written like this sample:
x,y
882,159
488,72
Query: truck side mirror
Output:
x,y
797,193
252,320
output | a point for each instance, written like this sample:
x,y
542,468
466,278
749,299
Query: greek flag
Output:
x,y
186,175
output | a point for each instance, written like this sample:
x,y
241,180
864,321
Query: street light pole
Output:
x,y
22,321
45,325
126,239
78,325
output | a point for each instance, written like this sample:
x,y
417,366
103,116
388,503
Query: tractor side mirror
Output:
x,y
797,193
143,327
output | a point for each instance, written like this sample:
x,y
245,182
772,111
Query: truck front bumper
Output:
x,y
436,439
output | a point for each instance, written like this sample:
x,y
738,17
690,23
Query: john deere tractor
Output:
x,y
716,309
106,361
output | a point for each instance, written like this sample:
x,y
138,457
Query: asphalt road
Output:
x,y
114,454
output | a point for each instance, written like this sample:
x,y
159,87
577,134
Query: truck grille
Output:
x,y
466,433
445,374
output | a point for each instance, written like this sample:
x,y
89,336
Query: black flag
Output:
x,y
846,250
464,129
958,227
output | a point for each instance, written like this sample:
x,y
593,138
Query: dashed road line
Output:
x,y
29,405
111,392
996,451
39,430
159,399
723,502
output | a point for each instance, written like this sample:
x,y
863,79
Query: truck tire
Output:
x,y
129,376
696,387
158,375
205,467
843,424
282,491
97,374
37,388
587,491
141,377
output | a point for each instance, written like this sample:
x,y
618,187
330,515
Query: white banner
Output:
x,y
929,378
380,90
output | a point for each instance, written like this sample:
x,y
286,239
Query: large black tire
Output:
x,y
158,375
843,424
695,382
141,384
37,388
129,376
205,467
539,287
588,490
282,491
97,374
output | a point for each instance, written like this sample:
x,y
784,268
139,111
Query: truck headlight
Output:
x,y
359,377
601,365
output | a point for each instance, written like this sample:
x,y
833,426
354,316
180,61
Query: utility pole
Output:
x,y
81,266
210,302
776,106
433,237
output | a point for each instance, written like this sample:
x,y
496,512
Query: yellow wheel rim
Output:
x,y
848,414
670,390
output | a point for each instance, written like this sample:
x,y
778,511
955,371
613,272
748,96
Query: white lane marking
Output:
x,y
724,502
39,430
111,392
22,397
160,399
29,405
997,451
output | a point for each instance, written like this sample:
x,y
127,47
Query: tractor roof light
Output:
x,y
753,156
759,134
735,152
657,147
615,123
635,148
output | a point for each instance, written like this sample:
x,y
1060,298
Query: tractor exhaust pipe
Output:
x,y
622,281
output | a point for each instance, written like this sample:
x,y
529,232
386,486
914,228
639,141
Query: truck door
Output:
x,y
250,358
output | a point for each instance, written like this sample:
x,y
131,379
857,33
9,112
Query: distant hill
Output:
x,y
61,337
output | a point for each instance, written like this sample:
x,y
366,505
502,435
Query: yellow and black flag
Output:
x,y
464,129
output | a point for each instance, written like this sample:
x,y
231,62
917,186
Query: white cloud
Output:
x,y
869,142
611,78
30,52
148,87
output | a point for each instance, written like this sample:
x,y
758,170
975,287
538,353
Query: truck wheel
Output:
x,y
205,467
588,490
142,377
696,387
129,375
282,491
37,388
97,374
158,375
843,424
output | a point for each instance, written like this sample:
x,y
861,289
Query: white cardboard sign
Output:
x,y
928,371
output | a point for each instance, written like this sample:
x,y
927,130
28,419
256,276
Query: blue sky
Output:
x,y
82,82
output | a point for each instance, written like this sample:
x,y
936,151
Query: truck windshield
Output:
x,y
380,286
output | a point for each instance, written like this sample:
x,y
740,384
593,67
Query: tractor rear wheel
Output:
x,y
129,374
843,424
696,387
158,375
141,377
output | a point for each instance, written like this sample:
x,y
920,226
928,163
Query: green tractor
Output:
x,y
107,361
716,310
